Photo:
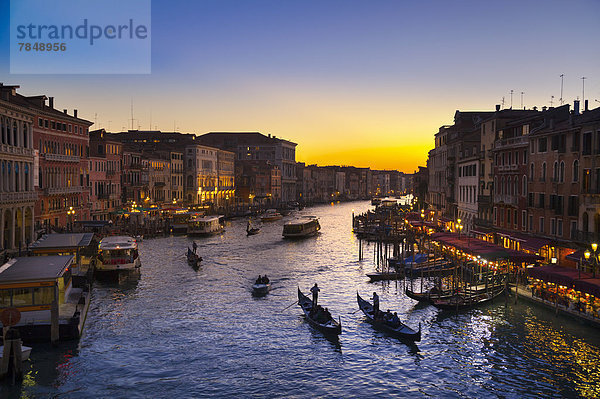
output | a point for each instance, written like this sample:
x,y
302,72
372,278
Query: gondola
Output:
x,y
464,300
261,289
428,296
252,231
330,328
193,258
399,330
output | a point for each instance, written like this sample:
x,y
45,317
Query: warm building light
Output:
x,y
587,255
553,260
594,247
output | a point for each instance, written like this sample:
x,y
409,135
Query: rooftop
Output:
x,y
70,240
34,268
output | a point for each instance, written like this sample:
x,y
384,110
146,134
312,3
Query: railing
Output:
x,y
587,236
513,141
18,196
61,158
507,199
591,198
64,190
11,149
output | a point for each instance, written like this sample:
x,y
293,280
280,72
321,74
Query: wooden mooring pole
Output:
x,y
12,360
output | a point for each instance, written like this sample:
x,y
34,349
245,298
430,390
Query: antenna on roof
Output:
x,y
522,93
502,102
132,114
562,76
551,100
583,89
511,93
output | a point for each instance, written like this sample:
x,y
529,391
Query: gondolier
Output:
x,y
194,246
315,294
375,302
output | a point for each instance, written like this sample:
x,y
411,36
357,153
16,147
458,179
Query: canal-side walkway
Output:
x,y
524,292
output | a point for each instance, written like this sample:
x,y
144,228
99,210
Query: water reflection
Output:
x,y
181,332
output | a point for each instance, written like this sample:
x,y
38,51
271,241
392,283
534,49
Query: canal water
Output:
x,y
178,332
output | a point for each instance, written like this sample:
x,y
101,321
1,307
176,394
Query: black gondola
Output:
x,y
465,300
398,329
193,258
428,296
331,327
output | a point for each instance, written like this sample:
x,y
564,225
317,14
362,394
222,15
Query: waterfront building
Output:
x,y
418,183
159,176
132,189
17,170
177,187
61,142
489,135
258,147
358,182
105,175
258,182
468,181
451,142
201,176
381,183
226,179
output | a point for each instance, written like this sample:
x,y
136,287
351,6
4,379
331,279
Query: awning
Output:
x,y
589,286
575,256
558,275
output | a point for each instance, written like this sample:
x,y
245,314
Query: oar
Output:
x,y
355,311
287,307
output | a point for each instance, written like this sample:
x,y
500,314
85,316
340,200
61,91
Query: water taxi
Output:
x,y
270,215
118,253
204,225
301,227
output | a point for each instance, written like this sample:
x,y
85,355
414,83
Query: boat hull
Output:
x,y
461,302
401,331
261,289
331,328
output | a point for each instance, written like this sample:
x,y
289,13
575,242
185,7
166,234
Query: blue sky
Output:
x,y
352,82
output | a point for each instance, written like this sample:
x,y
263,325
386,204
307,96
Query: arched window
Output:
x,y
544,171
496,184
561,172
576,170
524,193
531,170
516,186
555,171
585,222
501,188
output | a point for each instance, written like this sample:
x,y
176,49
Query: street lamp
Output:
x,y
70,214
595,258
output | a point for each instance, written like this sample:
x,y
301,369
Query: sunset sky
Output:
x,y
364,83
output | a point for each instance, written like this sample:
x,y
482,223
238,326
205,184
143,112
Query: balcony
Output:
x,y
484,199
23,196
504,198
61,158
64,190
511,142
9,149
591,198
586,237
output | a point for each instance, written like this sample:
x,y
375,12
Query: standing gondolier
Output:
x,y
375,303
194,246
315,294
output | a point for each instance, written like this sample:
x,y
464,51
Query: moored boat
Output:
x,y
204,225
467,300
118,253
251,230
330,327
305,226
270,215
397,329
428,296
390,275
25,352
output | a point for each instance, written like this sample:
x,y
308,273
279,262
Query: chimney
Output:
x,y
544,108
497,107
576,107
65,110
586,106
75,113
51,102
